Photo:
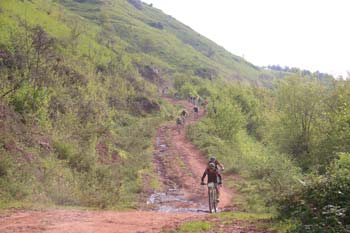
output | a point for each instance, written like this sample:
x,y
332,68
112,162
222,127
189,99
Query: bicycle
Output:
x,y
195,111
178,125
212,197
183,120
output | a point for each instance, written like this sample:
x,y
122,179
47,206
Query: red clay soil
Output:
x,y
193,161
75,221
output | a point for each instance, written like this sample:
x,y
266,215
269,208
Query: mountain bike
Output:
x,y
195,111
212,197
183,118
178,126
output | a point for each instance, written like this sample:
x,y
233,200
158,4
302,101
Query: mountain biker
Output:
x,y
212,174
183,115
178,123
217,166
195,110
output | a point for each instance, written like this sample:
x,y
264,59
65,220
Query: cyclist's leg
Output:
x,y
220,178
217,192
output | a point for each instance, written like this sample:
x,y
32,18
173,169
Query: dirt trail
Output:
x,y
179,165
75,221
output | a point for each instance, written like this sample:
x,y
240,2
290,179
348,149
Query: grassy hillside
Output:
x,y
74,112
148,32
79,90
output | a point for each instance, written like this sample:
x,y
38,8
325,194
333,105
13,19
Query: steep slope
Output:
x,y
149,32
75,112
83,80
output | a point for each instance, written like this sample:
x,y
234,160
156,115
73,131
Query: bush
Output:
x,y
31,101
323,204
63,150
13,185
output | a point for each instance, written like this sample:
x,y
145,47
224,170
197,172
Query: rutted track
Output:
x,y
180,166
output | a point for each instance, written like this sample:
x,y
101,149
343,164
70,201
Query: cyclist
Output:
x,y
178,124
183,115
217,166
212,174
195,110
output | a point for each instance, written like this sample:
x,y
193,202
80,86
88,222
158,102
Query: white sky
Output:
x,y
309,34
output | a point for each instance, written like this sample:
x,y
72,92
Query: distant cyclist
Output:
x,y
195,110
178,124
183,115
217,166
212,174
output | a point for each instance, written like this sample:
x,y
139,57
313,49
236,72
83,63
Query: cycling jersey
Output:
x,y
212,175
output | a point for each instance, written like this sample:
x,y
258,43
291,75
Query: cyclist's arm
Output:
x,y
204,175
221,166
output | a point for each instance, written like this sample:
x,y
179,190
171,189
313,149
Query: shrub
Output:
x,y
63,150
323,204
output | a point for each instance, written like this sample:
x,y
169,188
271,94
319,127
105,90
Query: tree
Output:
x,y
300,103
228,120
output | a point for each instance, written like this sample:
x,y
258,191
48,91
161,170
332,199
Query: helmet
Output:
x,y
211,165
212,158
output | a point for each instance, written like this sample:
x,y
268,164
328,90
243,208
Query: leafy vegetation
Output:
x,y
322,204
297,127
74,112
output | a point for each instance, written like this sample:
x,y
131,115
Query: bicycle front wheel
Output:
x,y
210,200
215,203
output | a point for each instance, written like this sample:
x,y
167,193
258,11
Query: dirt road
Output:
x,y
75,221
180,166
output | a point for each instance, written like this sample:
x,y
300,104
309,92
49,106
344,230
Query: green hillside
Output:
x,y
81,79
74,111
147,32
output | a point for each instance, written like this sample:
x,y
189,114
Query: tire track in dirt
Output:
x,y
180,165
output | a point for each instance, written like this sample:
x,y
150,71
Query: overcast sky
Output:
x,y
309,34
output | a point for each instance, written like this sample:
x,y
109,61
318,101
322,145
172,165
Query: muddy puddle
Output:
x,y
174,197
173,202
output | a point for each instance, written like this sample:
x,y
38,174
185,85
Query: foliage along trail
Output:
x,y
180,166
